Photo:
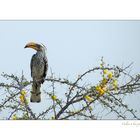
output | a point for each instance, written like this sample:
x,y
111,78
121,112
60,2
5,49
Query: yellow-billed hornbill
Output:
x,y
39,67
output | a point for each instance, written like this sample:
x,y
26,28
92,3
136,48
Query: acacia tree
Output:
x,y
78,99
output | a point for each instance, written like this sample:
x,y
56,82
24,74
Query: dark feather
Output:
x,y
45,68
31,64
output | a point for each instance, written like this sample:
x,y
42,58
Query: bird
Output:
x,y
39,68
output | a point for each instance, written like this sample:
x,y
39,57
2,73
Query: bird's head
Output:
x,y
35,46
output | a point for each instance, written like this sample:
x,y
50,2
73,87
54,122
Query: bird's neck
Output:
x,y
42,53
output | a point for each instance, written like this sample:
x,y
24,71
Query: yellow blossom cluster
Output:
x,y
115,83
54,98
109,74
107,81
88,98
23,92
101,89
105,71
22,97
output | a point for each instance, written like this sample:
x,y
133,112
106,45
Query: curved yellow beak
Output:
x,y
32,45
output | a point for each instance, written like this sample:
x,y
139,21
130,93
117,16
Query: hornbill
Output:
x,y
39,67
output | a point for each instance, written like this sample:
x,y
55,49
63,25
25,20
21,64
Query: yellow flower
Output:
x,y
23,92
88,98
104,81
100,90
21,98
54,97
115,88
104,88
110,75
14,117
105,71
115,83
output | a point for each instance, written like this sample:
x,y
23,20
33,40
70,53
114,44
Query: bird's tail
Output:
x,y
35,93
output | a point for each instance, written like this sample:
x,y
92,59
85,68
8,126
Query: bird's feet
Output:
x,y
35,97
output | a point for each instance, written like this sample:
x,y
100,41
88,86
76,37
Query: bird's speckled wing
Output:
x,y
31,64
45,67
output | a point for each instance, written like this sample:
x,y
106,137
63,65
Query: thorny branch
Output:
x,y
74,100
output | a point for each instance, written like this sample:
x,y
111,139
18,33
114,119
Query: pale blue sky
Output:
x,y
73,46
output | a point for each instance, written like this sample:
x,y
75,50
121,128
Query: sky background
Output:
x,y
72,46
